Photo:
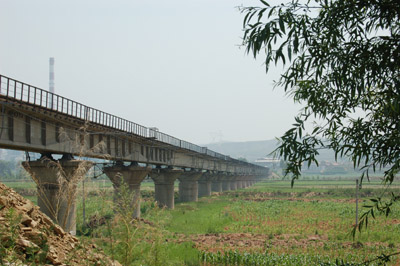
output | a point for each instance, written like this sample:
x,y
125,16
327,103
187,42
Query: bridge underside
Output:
x,y
28,128
35,120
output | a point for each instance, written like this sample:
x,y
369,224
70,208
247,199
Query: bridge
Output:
x,y
35,120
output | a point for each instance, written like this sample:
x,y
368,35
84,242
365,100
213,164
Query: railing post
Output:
x,y
86,113
47,98
15,89
8,86
22,91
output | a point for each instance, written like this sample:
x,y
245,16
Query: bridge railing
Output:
x,y
20,91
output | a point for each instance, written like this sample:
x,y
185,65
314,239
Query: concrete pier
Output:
x,y
164,180
188,186
56,187
233,184
205,184
216,183
132,176
226,182
239,182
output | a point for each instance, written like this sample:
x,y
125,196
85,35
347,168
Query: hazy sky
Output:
x,y
176,65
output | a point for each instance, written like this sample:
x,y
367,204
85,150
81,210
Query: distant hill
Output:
x,y
11,155
252,150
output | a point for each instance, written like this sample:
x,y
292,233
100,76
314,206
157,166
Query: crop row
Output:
x,y
272,259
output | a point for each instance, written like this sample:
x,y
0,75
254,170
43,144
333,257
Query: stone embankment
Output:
x,y
27,236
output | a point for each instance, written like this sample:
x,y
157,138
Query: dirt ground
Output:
x,y
246,242
28,234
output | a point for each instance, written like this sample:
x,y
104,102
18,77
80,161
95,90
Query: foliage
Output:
x,y
12,170
10,252
242,159
377,205
344,66
130,240
310,220
238,258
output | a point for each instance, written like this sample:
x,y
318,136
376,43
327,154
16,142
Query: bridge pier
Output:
x,y
226,183
132,176
233,183
188,186
164,180
239,182
248,181
216,184
57,187
205,185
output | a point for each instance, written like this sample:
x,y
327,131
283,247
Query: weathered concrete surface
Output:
x,y
56,188
131,176
226,182
188,186
216,183
233,184
36,129
239,181
164,180
205,184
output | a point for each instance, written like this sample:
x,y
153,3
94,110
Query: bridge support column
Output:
x,y
188,186
216,184
244,181
132,176
56,187
164,180
205,185
233,184
239,182
247,181
226,183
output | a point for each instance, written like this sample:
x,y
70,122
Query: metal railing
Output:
x,y
16,90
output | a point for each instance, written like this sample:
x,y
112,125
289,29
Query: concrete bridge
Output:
x,y
35,120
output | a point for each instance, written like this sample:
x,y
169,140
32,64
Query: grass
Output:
x,y
203,217
308,224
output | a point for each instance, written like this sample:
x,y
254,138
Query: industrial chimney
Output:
x,y
51,79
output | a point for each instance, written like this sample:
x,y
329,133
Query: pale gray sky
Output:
x,y
175,65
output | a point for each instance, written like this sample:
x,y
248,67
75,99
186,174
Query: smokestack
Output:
x,y
51,80
51,75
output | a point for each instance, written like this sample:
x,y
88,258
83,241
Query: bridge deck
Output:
x,y
33,119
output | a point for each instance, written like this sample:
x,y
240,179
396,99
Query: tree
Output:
x,y
343,64
243,159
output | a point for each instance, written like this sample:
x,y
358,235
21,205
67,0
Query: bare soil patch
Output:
x,y
250,242
36,234
246,242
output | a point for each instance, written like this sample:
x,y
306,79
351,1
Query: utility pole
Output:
x,y
51,80
357,187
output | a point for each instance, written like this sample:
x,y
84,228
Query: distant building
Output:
x,y
271,163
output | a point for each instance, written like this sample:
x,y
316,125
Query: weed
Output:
x,y
11,252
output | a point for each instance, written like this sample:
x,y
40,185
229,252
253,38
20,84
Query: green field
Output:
x,y
267,224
